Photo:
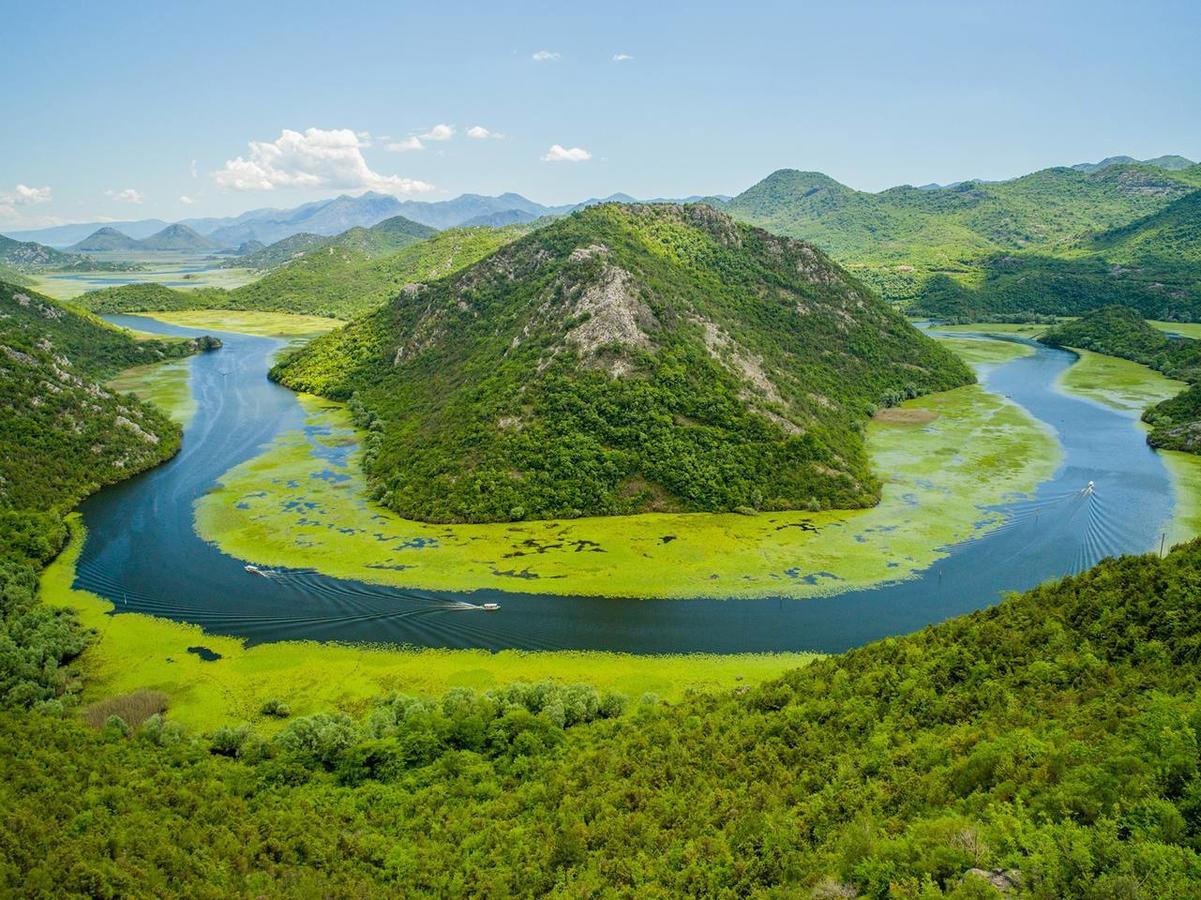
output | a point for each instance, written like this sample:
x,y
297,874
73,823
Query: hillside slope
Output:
x,y
63,434
626,358
990,248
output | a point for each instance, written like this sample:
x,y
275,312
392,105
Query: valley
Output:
x,y
600,451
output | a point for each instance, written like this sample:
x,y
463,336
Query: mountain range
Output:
x,y
330,217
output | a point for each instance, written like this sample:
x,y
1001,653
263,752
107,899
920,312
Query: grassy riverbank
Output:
x,y
302,503
138,652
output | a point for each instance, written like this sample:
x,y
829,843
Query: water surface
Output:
x,y
143,554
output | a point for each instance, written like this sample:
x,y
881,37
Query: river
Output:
x,y
143,554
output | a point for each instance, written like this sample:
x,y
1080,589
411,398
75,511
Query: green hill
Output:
x,y
1173,234
177,238
27,256
1008,248
624,359
105,239
378,240
338,281
62,436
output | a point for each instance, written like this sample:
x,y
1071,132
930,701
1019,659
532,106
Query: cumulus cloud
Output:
x,y
407,144
559,153
186,200
480,133
193,170
129,195
22,195
622,57
545,56
439,133
316,159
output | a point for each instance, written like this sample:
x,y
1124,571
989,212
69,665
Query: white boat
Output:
x,y
255,570
491,607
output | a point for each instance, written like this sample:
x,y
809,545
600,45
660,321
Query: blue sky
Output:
x,y
115,103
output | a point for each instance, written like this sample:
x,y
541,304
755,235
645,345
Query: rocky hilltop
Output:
x,y
627,358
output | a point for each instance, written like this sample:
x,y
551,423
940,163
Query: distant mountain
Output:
x,y
172,237
500,219
326,218
1171,163
383,237
63,235
179,238
103,240
322,218
622,359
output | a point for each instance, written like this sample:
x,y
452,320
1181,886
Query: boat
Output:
x,y
255,570
491,607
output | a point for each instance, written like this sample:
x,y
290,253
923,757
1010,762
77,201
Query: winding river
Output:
x,y
143,554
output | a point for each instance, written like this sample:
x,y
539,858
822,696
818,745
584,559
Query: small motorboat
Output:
x,y
1089,489
491,607
255,570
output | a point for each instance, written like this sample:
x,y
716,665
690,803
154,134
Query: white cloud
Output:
x,y
406,145
622,57
545,56
26,196
129,195
316,159
480,133
439,133
559,153
193,170
186,200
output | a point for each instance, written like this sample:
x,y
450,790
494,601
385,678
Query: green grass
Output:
x,y
1118,383
163,384
134,652
266,324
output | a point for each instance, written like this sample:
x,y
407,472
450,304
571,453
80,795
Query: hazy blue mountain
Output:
x,y
179,237
501,219
102,239
62,235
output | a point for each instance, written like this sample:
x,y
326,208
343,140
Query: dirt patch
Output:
x,y
897,416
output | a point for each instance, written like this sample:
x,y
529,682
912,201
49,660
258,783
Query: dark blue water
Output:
x,y
143,554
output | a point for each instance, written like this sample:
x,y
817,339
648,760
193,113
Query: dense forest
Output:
x,y
1049,743
623,359
340,277
1061,241
62,436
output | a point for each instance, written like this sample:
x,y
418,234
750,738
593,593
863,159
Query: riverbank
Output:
x,y
133,651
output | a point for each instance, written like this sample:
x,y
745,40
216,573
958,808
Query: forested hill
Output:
x,y
340,277
1043,243
1049,744
62,435
626,358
